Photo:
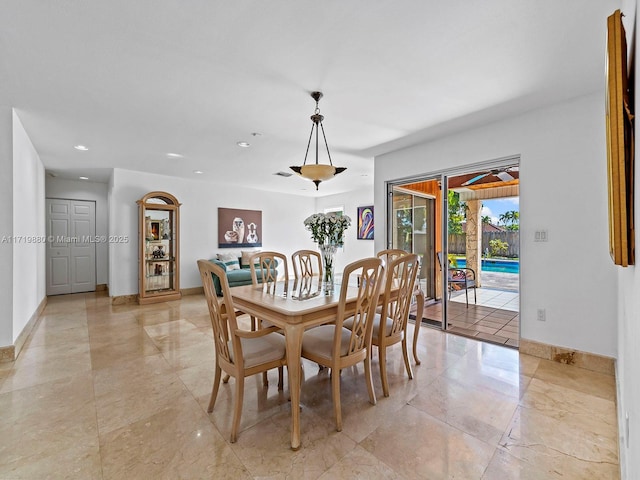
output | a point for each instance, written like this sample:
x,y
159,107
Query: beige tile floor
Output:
x,y
119,392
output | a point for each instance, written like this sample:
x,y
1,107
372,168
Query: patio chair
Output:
x,y
459,278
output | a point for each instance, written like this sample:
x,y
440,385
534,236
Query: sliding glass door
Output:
x,y
464,224
413,230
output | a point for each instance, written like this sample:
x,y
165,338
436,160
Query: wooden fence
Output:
x,y
457,242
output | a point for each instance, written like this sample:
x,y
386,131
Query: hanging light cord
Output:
x,y
316,119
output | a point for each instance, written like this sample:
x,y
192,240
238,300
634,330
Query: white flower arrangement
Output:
x,y
327,228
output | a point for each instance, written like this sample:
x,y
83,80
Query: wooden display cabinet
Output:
x,y
159,248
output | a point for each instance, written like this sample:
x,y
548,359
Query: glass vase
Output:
x,y
328,251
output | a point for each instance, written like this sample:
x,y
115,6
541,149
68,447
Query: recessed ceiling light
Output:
x,y
83,178
174,155
243,144
199,172
82,148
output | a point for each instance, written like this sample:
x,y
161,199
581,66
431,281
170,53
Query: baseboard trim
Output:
x,y
7,354
569,356
11,352
124,299
192,291
102,287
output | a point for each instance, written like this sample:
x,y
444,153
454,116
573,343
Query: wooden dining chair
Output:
x,y
306,263
239,353
391,254
337,347
307,271
264,271
390,325
387,257
264,268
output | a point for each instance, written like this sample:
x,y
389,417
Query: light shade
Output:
x,y
317,172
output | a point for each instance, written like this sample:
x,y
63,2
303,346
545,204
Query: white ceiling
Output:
x,y
136,79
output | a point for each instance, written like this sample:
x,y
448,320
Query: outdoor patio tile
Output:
x,y
483,329
462,331
510,335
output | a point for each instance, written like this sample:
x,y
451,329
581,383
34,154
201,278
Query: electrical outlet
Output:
x,y
542,315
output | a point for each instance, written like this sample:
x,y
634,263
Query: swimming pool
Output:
x,y
488,265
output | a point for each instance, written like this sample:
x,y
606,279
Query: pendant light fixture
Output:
x,y
317,172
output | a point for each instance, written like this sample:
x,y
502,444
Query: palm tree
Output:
x,y
511,220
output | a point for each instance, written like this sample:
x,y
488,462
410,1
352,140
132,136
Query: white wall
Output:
x,y
29,273
563,181
90,191
6,226
353,249
628,365
282,217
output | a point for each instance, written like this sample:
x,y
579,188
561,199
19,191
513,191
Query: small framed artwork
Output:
x,y
155,230
365,223
239,228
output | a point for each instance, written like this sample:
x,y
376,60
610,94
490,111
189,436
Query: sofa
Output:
x,y
235,276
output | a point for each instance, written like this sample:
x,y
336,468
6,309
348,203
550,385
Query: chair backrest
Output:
x,y
222,314
400,280
370,275
389,255
306,263
264,268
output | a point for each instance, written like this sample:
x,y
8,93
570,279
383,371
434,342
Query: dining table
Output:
x,y
295,307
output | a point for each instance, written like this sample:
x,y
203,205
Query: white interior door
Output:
x,y
71,249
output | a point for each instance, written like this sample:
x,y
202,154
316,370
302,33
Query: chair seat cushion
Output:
x,y
348,323
319,341
260,350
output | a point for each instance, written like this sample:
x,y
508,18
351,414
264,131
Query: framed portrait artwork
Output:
x,y
239,228
365,223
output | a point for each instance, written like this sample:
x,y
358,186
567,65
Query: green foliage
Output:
x,y
404,227
498,248
510,220
457,212
486,219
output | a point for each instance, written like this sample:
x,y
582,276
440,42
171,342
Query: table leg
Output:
x,y
293,336
416,329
